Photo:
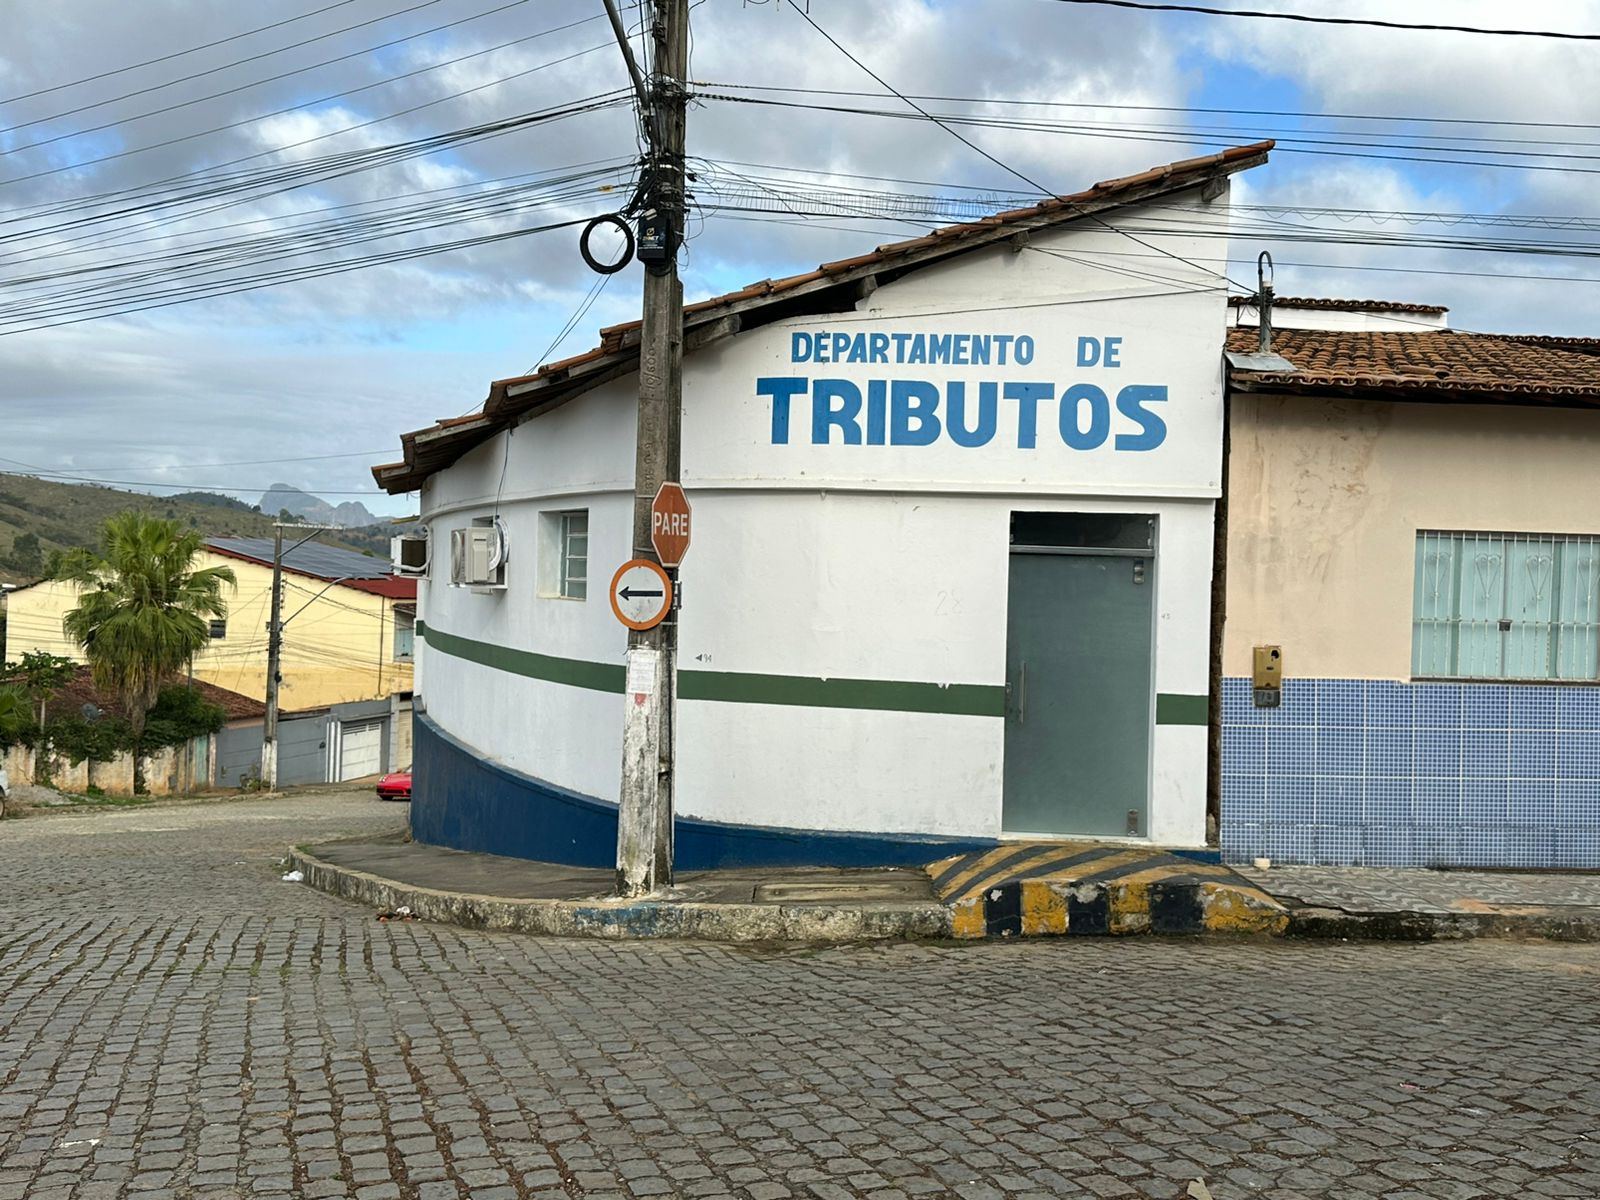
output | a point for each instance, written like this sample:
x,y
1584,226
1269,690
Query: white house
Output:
x,y
952,563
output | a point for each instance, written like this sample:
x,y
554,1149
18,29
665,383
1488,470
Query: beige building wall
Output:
x,y
1325,498
337,647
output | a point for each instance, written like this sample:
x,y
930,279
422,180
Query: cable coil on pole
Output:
x,y
594,264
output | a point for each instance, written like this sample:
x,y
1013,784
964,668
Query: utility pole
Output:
x,y
269,725
275,624
644,822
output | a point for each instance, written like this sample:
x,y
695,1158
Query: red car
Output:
x,y
396,785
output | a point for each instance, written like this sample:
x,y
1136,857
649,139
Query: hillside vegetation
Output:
x,y
48,516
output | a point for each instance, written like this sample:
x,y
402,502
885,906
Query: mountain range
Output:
x,y
281,497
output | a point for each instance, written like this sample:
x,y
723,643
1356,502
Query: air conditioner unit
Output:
x,y
410,553
478,555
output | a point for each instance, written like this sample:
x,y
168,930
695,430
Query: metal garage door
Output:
x,y
360,748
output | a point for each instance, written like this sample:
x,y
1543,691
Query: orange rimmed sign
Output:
x,y
641,594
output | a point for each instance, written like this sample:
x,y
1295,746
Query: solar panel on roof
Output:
x,y
313,558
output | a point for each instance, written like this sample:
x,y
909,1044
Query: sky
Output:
x,y
245,155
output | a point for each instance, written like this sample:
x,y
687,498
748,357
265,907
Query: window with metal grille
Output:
x,y
1506,606
574,551
218,629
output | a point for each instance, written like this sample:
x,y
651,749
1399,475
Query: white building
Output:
x,y
952,562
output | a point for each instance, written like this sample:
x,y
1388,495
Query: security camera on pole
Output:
x,y
644,819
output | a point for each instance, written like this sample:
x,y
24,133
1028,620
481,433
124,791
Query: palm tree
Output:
x,y
143,610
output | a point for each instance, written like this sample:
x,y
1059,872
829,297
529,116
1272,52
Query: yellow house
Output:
x,y
347,633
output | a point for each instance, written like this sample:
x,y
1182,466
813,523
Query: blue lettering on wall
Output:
x,y
782,389
1131,402
1027,396
1074,401
955,404
923,411
913,404
876,408
845,417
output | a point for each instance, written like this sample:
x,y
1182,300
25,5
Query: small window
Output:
x,y
574,550
405,633
219,629
1506,606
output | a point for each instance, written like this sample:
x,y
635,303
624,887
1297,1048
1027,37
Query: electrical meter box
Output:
x,y
1267,676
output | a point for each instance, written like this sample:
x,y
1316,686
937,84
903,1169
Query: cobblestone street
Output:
x,y
176,1021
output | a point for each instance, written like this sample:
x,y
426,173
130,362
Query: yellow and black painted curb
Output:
x,y
1031,889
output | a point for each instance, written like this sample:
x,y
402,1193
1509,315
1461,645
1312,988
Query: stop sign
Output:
x,y
669,524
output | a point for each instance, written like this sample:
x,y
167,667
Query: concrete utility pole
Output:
x,y
644,825
269,725
275,624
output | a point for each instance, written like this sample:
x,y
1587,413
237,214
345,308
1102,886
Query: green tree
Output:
x,y
143,610
13,715
41,676
27,556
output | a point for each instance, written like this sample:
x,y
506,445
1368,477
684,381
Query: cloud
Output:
x,y
348,360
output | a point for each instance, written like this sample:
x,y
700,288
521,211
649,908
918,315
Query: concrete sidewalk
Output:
x,y
1021,889
485,891
1079,889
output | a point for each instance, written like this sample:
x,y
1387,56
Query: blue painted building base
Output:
x,y
466,802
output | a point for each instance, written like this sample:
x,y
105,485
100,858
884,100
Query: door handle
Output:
x,y
1022,693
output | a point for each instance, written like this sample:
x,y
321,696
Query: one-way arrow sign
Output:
x,y
641,594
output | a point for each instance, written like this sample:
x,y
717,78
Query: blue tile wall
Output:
x,y
1382,773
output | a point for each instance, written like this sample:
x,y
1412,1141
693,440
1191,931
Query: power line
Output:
x,y
998,200
47,476
156,87
189,137
357,229
311,271
386,80
248,462
150,62
1181,108
69,300
1011,170
1181,137
888,87
279,179
1428,271
1304,18
830,224
610,165
209,257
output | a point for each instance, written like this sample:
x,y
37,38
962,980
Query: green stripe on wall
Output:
x,y
575,672
1175,709
958,699
886,695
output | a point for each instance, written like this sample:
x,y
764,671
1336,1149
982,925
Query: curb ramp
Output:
x,y
1088,889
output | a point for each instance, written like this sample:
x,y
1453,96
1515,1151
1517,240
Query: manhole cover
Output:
x,y
877,891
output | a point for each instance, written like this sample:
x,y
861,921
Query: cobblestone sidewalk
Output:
x,y
177,1022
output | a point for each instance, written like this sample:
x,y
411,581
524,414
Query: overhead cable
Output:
x,y
150,62
1306,18
188,137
